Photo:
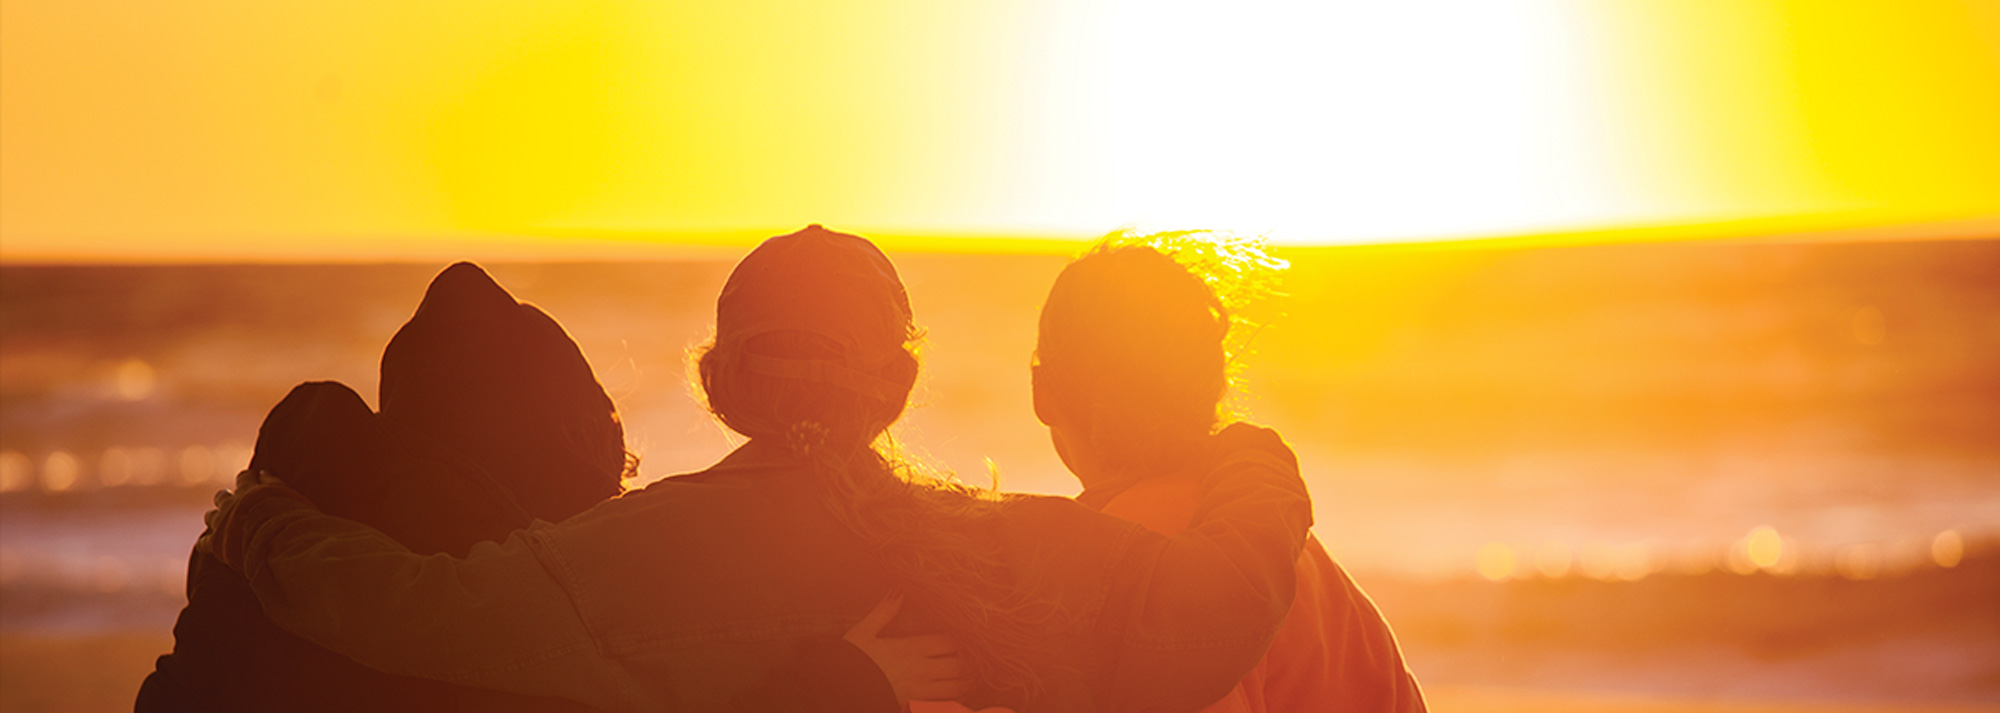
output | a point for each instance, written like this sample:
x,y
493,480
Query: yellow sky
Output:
x,y
370,128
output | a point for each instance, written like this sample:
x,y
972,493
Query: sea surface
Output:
x,y
1608,420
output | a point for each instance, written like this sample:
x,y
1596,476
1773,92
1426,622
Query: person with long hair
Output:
x,y
674,596
1137,351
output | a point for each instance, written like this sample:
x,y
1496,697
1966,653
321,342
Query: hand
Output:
x,y
1243,436
920,668
225,503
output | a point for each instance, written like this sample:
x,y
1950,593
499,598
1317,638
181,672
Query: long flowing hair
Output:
x,y
921,526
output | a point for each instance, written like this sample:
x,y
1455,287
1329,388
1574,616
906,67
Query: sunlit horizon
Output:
x,y
607,130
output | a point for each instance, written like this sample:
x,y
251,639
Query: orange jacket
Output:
x,y
1334,652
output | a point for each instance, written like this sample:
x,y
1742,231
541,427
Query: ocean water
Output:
x,y
1680,392
1588,414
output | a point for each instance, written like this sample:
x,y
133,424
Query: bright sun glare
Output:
x,y
1344,121
381,128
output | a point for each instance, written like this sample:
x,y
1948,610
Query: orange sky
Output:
x,y
377,129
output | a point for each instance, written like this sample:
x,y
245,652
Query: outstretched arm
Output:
x,y
496,619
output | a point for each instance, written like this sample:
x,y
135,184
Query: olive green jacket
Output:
x,y
674,597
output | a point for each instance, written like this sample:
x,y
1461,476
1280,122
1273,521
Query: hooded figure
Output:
x,y
491,418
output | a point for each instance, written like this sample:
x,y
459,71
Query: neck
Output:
x,y
1177,460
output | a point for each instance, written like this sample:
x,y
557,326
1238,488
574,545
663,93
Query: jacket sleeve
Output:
x,y
496,619
1187,616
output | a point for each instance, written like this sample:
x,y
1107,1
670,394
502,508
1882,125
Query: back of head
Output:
x,y
1134,344
812,350
502,386
811,328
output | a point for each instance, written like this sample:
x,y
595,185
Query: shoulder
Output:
x,y
1244,445
747,468
1058,531
715,499
1163,505
1021,510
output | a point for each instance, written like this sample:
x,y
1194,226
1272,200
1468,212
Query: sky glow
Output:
x,y
370,129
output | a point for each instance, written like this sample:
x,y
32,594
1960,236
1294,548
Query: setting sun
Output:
x,y
261,131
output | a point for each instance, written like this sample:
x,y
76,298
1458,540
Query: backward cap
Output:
x,y
817,281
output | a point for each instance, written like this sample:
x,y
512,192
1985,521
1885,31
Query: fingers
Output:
x,y
927,667
212,520
1245,436
884,612
940,672
247,478
214,516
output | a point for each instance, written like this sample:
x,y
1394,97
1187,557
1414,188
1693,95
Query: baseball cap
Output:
x,y
816,281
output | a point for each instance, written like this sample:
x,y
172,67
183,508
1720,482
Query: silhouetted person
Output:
x,y
491,418
1131,371
675,596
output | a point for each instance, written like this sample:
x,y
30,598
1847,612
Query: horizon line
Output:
x,y
616,245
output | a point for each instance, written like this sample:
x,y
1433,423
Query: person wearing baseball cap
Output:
x,y
676,596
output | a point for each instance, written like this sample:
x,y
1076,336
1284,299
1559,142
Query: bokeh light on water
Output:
x,y
1947,549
